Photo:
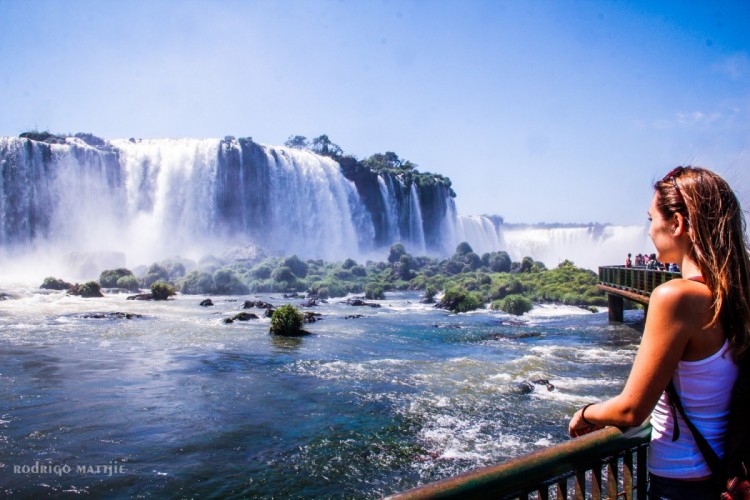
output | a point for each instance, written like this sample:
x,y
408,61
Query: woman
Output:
x,y
697,330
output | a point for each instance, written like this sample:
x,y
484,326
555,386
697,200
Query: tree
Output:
x,y
323,146
463,248
395,253
297,141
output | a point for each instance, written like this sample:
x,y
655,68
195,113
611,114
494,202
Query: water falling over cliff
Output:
x,y
134,202
156,198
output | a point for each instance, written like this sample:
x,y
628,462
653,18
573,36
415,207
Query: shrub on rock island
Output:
x,y
457,299
374,292
161,290
129,283
89,289
109,278
287,320
513,304
51,283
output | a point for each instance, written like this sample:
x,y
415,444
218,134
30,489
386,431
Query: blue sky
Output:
x,y
539,111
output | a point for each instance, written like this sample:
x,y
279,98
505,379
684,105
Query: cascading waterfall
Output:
x,y
391,216
416,229
152,199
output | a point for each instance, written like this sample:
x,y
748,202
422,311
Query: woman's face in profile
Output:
x,y
661,232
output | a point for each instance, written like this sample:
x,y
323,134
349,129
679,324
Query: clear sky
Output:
x,y
539,111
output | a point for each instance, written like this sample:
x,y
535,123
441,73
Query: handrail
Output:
x,y
638,280
580,459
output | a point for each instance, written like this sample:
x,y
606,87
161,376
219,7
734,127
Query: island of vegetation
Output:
x,y
463,282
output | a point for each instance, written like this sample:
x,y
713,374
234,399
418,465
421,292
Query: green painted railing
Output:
x,y
609,463
638,280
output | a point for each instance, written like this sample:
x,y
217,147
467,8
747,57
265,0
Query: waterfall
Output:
x,y
391,217
416,230
135,202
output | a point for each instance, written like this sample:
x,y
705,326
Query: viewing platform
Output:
x,y
632,283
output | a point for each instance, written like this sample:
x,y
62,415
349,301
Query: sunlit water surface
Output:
x,y
178,404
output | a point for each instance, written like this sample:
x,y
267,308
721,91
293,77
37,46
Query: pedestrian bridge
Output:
x,y
632,283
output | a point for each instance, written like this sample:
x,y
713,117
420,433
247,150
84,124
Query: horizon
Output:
x,y
528,107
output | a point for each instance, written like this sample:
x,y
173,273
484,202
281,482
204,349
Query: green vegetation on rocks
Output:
x,y
52,283
287,320
463,282
161,290
109,278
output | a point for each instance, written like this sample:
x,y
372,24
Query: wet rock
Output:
x,y
258,304
244,316
206,303
110,315
354,316
361,303
309,303
545,383
311,317
514,336
141,296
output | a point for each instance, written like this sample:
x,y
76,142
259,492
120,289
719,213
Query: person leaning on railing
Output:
x,y
696,333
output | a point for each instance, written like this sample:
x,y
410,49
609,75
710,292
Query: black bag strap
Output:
x,y
709,455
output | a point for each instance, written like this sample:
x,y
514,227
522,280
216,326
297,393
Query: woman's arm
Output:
x,y
671,321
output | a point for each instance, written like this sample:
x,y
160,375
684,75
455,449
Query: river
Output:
x,y
176,404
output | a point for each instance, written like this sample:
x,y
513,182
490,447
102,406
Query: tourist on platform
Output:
x,y
674,268
628,262
697,332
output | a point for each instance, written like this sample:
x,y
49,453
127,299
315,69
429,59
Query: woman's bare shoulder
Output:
x,y
683,295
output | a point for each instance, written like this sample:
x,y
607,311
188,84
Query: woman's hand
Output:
x,y
578,426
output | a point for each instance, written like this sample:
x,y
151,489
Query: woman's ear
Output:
x,y
680,224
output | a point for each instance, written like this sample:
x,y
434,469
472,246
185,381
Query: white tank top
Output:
x,y
705,388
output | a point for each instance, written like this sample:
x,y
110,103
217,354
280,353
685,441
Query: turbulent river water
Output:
x,y
177,404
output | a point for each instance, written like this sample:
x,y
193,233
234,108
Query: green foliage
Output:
x,y
283,273
286,320
90,289
161,290
52,283
458,299
395,252
227,283
128,282
374,292
261,272
108,279
463,248
198,283
297,141
514,304
298,267
155,273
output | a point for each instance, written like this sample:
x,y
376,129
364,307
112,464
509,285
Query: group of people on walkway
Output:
x,y
651,262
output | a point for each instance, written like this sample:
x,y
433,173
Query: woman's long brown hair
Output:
x,y
717,230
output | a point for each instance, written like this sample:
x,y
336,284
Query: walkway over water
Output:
x,y
632,283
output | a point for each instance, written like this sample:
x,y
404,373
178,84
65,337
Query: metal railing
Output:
x,y
608,463
638,280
